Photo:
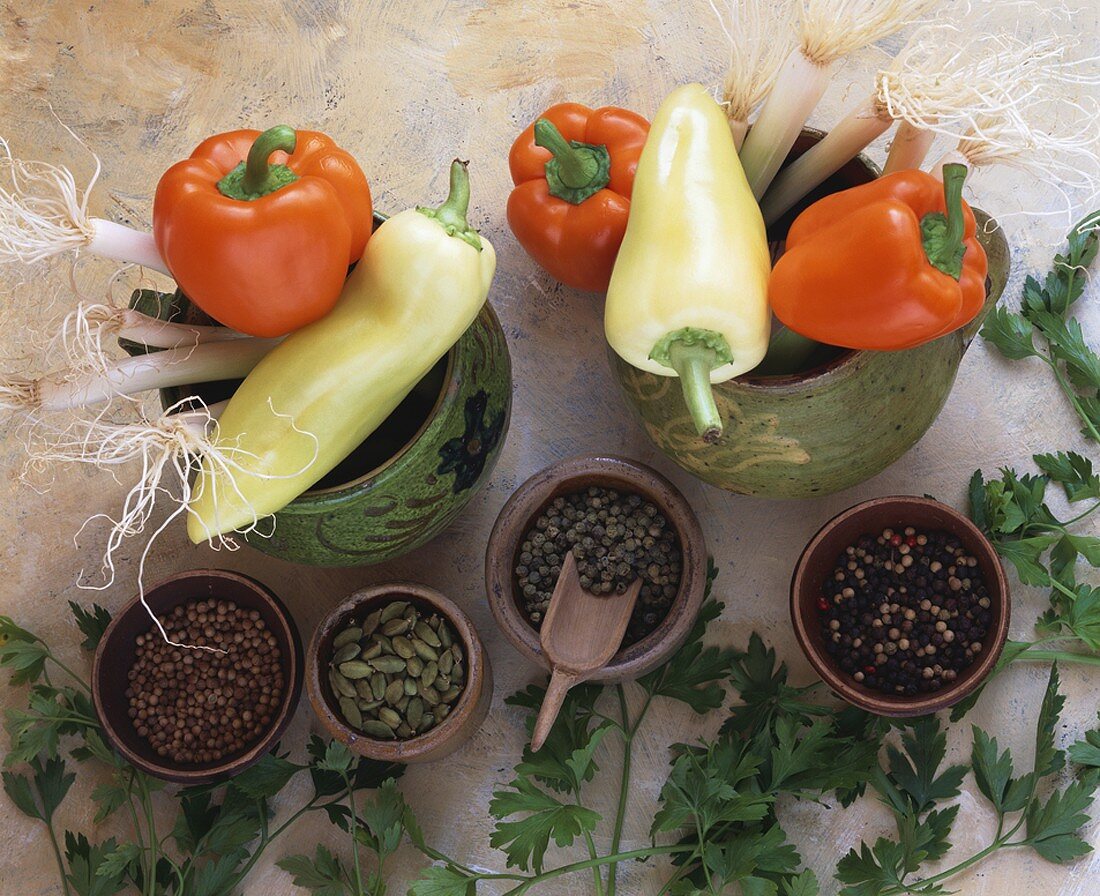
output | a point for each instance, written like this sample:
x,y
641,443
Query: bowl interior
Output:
x,y
624,480
115,657
819,560
360,606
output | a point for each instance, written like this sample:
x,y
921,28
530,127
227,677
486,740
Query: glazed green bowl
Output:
x,y
415,473
830,427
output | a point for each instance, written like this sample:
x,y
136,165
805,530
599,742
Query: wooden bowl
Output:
x,y
565,477
818,561
115,657
466,716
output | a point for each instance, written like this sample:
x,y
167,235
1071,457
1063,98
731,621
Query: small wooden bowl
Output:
x,y
565,477
115,657
466,716
818,561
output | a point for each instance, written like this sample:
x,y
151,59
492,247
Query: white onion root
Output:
x,y
43,213
760,35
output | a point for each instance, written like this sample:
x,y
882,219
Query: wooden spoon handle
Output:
x,y
560,683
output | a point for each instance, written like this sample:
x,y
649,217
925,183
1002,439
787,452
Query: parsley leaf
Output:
x,y
92,624
764,692
86,860
442,880
1044,318
1073,472
693,674
1011,334
1049,759
267,777
1087,752
525,841
1052,827
323,875
915,771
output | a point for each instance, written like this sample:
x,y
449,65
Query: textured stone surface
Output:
x,y
407,86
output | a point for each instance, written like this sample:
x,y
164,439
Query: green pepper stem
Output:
x,y
575,170
451,215
693,364
257,170
943,236
257,177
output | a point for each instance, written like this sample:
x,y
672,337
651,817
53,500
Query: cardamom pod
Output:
x,y
405,648
377,729
393,610
356,669
350,712
395,691
424,633
348,652
347,636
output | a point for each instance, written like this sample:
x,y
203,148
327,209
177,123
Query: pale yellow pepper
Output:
x,y
304,408
688,294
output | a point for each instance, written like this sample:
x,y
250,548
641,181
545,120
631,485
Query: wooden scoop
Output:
x,y
580,634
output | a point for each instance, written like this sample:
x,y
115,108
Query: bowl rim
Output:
x,y
431,740
532,496
446,396
237,763
874,701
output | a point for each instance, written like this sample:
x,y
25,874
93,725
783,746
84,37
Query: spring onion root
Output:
x,y
760,34
71,389
830,30
974,80
43,213
166,452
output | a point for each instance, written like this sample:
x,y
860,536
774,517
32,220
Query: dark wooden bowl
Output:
x,y
818,561
115,657
466,716
567,476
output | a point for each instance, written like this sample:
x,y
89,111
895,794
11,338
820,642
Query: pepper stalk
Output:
x,y
575,170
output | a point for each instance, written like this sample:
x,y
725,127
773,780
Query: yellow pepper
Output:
x,y
689,292
325,388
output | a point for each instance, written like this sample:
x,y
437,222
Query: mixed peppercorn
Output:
x,y
905,612
199,706
616,537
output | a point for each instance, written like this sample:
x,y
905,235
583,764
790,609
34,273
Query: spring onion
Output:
x,y
943,79
830,30
100,381
43,213
759,34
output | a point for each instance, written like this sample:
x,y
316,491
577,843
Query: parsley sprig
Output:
x,y
914,788
718,822
1043,328
1047,551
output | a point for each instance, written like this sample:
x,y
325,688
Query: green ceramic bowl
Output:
x,y
830,427
415,473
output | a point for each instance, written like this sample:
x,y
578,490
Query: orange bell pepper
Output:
x,y
259,229
574,172
887,265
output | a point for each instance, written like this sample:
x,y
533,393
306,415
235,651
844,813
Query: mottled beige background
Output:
x,y
407,86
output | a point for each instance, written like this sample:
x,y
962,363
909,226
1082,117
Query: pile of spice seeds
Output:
x,y
615,538
905,612
398,673
200,706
